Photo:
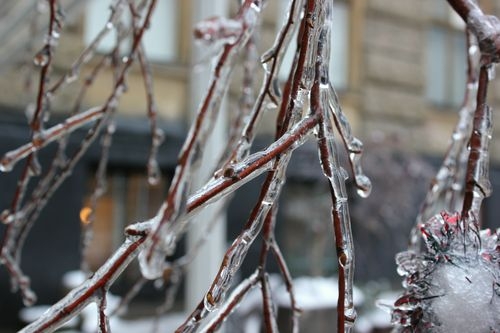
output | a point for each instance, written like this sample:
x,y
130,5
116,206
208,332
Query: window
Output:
x,y
446,58
339,62
128,199
160,41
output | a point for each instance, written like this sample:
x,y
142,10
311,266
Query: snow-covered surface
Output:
x,y
466,302
253,299
380,317
165,324
89,314
73,279
89,320
32,313
314,293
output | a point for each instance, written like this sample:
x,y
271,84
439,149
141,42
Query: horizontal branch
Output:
x,y
50,135
237,173
90,290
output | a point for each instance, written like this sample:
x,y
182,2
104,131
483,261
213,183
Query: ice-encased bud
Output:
x,y
450,285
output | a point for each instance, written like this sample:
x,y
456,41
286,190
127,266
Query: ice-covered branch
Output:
x,y
486,28
190,154
477,183
91,290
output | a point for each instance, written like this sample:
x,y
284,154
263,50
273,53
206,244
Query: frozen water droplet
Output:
x,y
46,115
7,163
6,217
159,283
55,34
364,186
29,297
72,75
355,146
29,112
151,262
344,259
267,203
42,57
271,106
268,55
491,72
158,138
109,25
154,173
111,127
473,50
35,169
209,302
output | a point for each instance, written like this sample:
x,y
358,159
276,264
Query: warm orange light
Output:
x,y
85,215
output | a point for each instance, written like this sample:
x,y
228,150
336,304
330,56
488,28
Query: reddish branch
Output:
x,y
157,135
17,231
476,183
485,27
196,131
291,129
94,288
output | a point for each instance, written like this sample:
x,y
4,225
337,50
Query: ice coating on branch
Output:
x,y
353,145
172,222
447,189
324,100
237,252
453,286
153,263
482,186
93,290
218,29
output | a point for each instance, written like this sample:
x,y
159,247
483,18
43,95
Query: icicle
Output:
x,y
237,252
482,187
190,154
324,100
353,145
236,295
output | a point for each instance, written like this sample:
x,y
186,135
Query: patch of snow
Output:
x,y
32,313
90,314
146,324
73,279
380,317
314,293
467,301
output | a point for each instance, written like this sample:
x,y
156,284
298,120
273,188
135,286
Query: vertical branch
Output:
x,y
17,230
159,244
320,102
446,190
157,135
103,320
91,290
269,314
233,300
477,185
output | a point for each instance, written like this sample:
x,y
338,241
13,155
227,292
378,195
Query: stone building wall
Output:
x,y
385,91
